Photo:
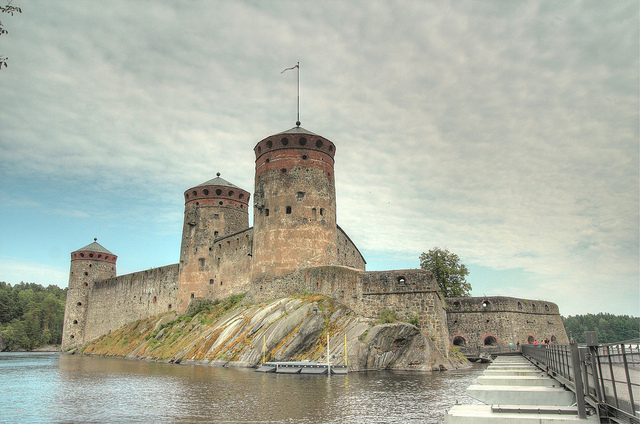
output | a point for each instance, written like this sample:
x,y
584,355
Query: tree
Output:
x,y
448,270
609,328
9,10
31,315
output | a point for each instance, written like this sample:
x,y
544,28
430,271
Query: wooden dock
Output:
x,y
303,367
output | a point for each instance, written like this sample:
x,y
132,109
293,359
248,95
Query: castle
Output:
x,y
294,246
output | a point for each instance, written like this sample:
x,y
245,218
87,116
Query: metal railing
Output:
x,y
607,376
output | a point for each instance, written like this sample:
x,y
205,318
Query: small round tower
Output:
x,y
212,210
88,264
294,215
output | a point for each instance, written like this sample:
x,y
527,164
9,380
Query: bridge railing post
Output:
x,y
577,378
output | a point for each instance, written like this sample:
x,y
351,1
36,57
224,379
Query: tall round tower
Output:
x,y
89,264
294,215
212,210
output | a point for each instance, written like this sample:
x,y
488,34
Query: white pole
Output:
x,y
328,364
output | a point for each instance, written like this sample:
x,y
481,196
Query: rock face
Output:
x,y
282,330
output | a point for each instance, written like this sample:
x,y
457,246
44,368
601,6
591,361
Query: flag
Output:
x,y
293,67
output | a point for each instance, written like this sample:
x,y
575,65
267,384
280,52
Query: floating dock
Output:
x,y
303,367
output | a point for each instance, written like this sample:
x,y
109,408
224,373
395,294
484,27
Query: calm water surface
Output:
x,y
52,388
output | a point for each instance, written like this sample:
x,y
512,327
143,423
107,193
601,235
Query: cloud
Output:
x,y
507,132
15,271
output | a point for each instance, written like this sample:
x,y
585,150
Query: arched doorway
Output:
x,y
459,341
490,341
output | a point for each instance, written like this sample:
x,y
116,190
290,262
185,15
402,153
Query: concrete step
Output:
x,y
515,372
517,381
516,395
510,360
489,414
505,366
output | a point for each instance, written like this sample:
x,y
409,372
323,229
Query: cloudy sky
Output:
x,y
506,132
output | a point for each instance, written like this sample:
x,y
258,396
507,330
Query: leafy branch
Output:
x,y
10,10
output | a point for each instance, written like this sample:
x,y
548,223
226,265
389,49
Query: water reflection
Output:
x,y
74,389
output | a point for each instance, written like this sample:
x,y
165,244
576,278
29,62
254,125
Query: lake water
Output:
x,y
53,388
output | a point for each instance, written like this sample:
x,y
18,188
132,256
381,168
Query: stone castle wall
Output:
x,y
118,301
86,268
294,215
411,294
347,252
496,321
223,269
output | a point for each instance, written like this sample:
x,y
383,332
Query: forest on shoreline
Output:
x,y
31,315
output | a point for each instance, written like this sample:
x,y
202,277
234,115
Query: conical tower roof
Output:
x,y
95,247
217,181
298,130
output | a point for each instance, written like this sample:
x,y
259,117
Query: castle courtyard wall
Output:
x,y
230,265
347,254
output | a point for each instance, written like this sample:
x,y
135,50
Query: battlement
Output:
x,y
296,139
217,192
501,304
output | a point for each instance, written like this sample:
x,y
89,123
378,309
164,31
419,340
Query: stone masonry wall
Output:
x,y
347,252
86,268
497,321
121,300
229,271
409,293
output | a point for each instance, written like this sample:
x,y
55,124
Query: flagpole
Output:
x,y
298,120
288,69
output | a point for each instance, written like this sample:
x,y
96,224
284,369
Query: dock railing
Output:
x,y
605,376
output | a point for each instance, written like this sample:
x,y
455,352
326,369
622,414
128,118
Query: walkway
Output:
x,y
516,391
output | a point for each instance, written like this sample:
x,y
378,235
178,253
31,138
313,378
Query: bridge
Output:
x,y
595,383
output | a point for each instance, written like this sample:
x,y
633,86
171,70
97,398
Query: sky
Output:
x,y
506,132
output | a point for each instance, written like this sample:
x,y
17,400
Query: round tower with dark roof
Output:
x,y
212,210
89,264
294,215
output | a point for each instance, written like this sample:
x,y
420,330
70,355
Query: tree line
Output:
x,y
610,328
31,315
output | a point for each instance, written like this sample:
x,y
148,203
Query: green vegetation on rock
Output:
x,y
231,332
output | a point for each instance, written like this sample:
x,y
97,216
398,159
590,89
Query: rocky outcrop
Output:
x,y
282,330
